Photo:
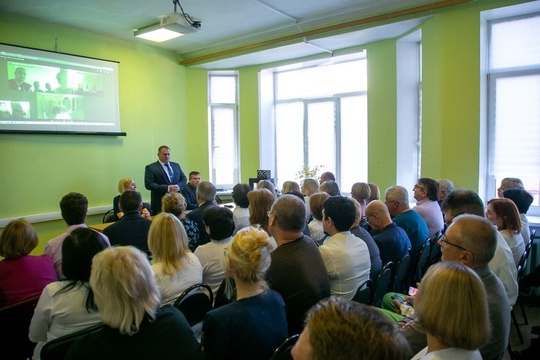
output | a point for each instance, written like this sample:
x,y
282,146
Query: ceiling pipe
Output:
x,y
303,35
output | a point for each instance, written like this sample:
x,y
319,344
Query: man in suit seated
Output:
x,y
132,228
163,176
190,191
206,197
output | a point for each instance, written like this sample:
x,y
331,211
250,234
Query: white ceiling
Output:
x,y
230,25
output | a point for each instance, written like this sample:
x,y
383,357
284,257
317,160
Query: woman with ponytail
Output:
x,y
254,325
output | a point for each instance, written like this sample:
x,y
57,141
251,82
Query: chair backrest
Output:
x,y
435,252
531,238
422,261
195,302
14,324
109,216
363,294
220,297
383,283
57,349
403,274
283,352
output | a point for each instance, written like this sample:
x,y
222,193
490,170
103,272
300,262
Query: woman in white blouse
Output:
x,y
68,306
175,267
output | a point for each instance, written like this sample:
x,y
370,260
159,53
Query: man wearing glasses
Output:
x,y
425,193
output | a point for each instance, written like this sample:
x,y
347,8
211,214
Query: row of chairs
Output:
x,y
397,278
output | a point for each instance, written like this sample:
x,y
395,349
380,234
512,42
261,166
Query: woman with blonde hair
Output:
x,y
503,213
22,276
289,186
175,204
175,267
451,305
254,325
125,184
135,326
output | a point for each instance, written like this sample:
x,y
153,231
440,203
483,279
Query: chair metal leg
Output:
x,y
514,320
523,311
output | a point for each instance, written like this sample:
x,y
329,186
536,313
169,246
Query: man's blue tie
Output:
x,y
169,170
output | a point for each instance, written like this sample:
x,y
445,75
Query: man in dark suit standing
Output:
x,y
206,196
162,177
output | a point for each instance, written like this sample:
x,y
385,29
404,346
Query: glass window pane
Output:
x,y
289,141
223,146
322,81
223,89
321,138
515,43
354,141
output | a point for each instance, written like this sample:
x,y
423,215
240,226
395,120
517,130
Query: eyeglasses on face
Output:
x,y
392,201
443,242
418,187
268,213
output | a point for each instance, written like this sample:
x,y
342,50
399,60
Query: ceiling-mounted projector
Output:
x,y
170,27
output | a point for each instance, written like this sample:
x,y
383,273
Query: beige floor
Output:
x,y
532,310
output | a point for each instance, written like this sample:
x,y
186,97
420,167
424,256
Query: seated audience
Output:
x,y
267,184
502,264
375,193
345,256
331,187
457,334
315,226
132,228
425,193
135,326
444,187
175,204
68,306
392,240
241,210
254,325
206,197
22,276
325,176
374,252
124,184
360,191
509,183
523,201
344,329
289,186
297,270
74,209
190,191
503,213
175,267
397,202
471,241
220,226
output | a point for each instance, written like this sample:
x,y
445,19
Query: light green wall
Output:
x,y
37,170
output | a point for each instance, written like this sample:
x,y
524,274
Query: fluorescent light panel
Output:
x,y
157,33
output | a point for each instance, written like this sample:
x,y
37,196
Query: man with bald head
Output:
x,y
472,241
325,176
392,240
397,202
297,269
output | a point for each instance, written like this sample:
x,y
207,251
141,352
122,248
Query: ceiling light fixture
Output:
x,y
170,26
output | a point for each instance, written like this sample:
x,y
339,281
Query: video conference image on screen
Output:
x,y
43,92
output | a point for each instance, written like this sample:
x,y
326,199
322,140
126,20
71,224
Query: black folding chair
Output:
x,y
403,274
283,352
195,302
383,284
363,294
57,349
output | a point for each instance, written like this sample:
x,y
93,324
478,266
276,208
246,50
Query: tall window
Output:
x,y
514,103
321,120
223,136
